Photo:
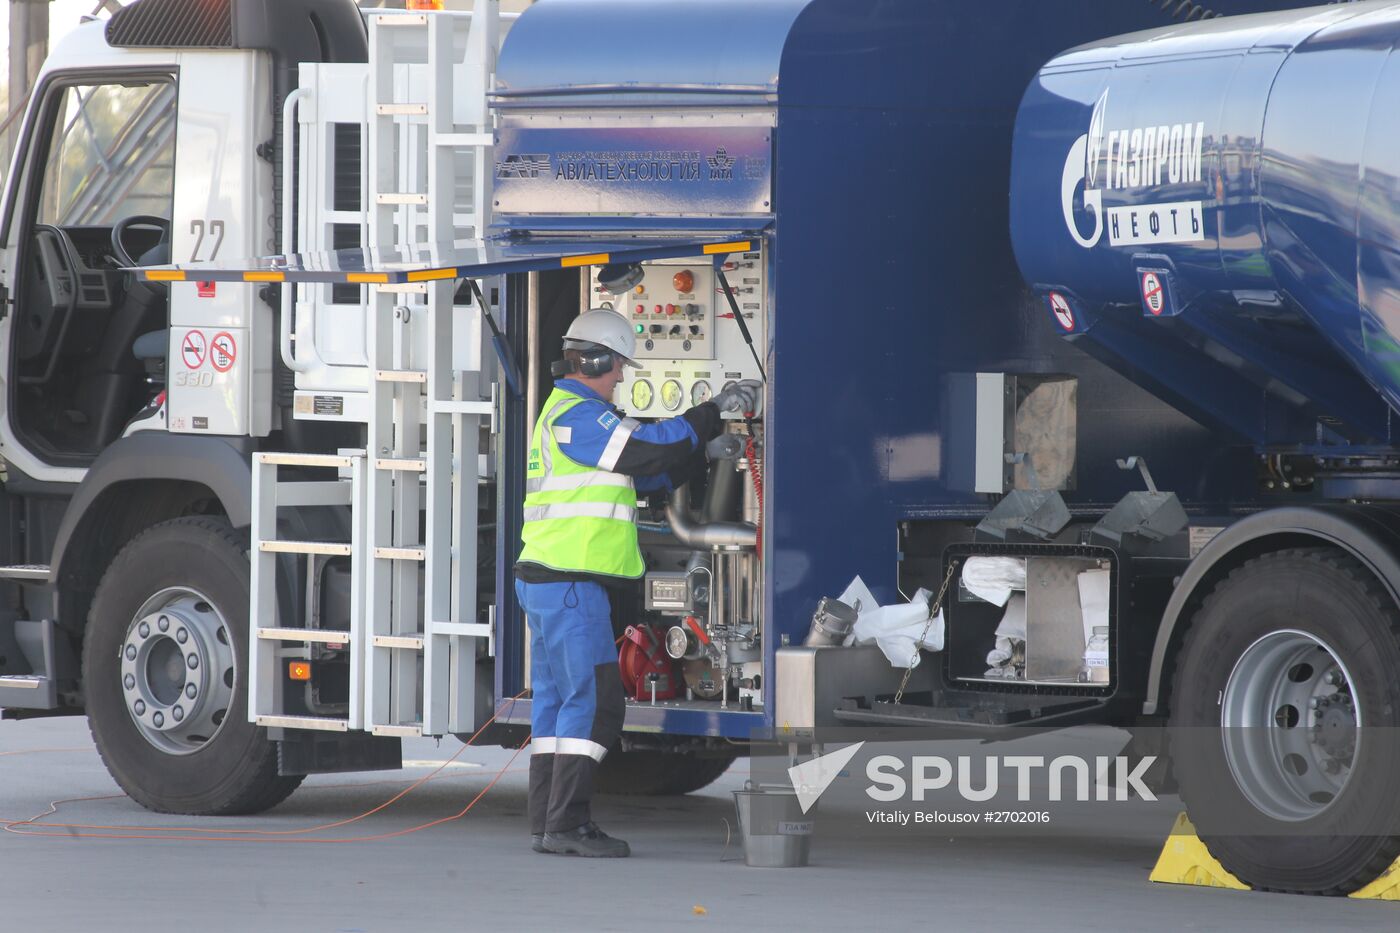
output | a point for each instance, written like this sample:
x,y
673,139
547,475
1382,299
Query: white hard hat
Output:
x,y
603,328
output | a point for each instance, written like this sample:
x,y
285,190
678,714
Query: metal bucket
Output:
x,y
775,831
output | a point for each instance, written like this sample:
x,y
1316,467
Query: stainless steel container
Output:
x,y
775,831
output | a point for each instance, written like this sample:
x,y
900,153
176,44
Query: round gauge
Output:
x,y
700,393
641,394
677,642
671,395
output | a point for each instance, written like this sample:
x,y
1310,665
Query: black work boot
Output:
x,y
588,841
537,842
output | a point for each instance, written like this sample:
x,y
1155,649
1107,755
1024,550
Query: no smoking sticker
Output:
x,y
1059,304
223,351
193,349
1153,295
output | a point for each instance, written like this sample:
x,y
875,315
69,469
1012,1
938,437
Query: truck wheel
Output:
x,y
165,671
1286,659
648,773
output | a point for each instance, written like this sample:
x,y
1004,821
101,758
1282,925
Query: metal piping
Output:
x,y
705,534
722,493
532,353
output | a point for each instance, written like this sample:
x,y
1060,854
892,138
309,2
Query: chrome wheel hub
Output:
x,y
1291,725
178,670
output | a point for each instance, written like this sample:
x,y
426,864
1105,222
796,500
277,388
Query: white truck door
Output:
x,y
92,185
221,336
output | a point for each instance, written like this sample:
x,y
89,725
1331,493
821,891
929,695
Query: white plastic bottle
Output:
x,y
1096,669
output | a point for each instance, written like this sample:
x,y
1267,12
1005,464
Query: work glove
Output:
x,y
744,396
725,447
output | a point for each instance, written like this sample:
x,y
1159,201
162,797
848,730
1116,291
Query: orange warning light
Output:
x,y
424,5
299,670
684,281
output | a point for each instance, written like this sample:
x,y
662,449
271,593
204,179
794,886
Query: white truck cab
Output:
x,y
132,410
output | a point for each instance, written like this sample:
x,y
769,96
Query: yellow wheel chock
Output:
x,y
1185,860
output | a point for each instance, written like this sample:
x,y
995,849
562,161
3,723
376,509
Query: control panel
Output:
x,y
688,343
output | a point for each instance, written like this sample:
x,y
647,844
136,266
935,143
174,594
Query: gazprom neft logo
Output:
x,y
1132,159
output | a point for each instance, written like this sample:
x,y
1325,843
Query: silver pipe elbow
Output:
x,y
705,534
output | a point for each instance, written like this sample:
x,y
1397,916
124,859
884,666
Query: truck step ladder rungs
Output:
x,y
272,646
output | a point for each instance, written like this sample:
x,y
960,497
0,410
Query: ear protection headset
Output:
x,y
593,361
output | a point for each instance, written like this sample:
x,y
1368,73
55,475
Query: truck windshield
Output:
x,y
112,154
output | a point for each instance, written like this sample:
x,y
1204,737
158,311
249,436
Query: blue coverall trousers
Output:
x,y
577,703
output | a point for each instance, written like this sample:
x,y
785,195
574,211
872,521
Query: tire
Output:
x,y
1282,661
175,736
649,773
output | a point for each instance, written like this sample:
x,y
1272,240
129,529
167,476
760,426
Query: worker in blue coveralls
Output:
x,y
587,465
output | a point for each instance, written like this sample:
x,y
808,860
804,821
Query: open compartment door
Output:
x,y
458,260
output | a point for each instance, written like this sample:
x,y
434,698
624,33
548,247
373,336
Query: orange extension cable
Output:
x,y
30,827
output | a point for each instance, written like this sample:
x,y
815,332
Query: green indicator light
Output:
x,y
641,328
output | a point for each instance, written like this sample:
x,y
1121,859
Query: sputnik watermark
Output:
x,y
1115,778
811,778
976,779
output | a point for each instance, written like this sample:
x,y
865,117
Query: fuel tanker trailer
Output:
x,y
1213,210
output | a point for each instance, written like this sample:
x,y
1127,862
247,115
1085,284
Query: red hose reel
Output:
x,y
643,661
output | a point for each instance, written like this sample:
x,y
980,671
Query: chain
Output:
x,y
932,614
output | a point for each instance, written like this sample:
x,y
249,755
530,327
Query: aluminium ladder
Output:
x,y
414,636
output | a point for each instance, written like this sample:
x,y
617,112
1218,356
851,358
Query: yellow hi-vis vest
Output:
x,y
578,518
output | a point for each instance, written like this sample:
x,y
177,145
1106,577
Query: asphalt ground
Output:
x,y
392,871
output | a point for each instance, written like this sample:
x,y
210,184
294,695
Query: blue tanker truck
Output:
x,y
1211,211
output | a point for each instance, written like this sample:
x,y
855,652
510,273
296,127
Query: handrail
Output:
x,y
288,234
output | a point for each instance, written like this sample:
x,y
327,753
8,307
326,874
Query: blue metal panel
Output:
x,y
913,123
671,719
588,45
